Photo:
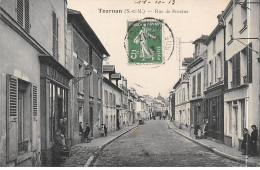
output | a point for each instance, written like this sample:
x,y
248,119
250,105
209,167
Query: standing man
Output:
x,y
254,136
86,133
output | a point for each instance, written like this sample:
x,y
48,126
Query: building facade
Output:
x,y
241,83
182,104
196,82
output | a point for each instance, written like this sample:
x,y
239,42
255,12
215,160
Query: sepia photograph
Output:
x,y
129,83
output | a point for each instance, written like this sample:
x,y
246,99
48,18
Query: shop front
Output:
x,y
54,104
214,111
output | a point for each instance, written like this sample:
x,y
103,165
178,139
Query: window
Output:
x,y
91,85
230,28
23,14
199,85
197,50
106,98
236,70
81,81
110,99
183,93
244,14
193,86
249,66
99,88
22,109
114,100
226,74
55,27
80,116
214,45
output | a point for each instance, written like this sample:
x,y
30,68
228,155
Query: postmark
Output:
x,y
149,41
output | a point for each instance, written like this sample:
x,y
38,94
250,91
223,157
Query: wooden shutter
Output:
x,y
55,35
249,66
238,69
233,71
226,74
193,85
199,83
27,15
12,118
34,118
19,10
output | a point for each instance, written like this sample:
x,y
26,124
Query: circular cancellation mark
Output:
x,y
149,41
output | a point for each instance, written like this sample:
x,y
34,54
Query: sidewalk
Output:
x,y
83,154
220,149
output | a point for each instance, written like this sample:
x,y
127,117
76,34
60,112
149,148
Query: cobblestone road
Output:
x,y
153,144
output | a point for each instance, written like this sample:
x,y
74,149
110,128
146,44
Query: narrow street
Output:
x,y
153,144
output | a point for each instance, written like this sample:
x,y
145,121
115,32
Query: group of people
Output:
x,y
60,143
201,132
85,133
249,143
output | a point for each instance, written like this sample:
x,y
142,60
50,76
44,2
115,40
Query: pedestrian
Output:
x,y
105,129
57,147
64,127
205,129
86,133
118,124
80,128
191,128
196,129
254,136
246,141
102,131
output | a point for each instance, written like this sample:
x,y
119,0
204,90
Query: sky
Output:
x,y
111,29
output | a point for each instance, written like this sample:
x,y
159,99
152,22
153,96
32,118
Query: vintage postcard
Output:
x,y
129,83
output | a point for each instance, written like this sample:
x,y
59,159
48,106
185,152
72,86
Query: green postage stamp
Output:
x,y
145,42
148,41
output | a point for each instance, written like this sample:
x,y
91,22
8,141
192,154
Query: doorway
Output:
x,y
235,127
91,121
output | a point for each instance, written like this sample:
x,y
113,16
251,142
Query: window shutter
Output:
x,y
19,11
12,118
27,15
249,67
226,74
199,83
238,69
34,118
55,35
233,71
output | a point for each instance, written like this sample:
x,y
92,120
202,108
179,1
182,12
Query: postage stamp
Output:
x,y
148,41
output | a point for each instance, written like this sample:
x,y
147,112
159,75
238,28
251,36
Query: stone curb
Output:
x,y
217,151
93,157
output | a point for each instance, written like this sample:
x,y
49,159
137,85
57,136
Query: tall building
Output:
x,y
86,54
241,77
214,82
196,81
34,80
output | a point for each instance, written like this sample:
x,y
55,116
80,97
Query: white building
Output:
x,y
241,96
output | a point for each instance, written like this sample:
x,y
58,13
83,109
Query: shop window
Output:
x,y
23,14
